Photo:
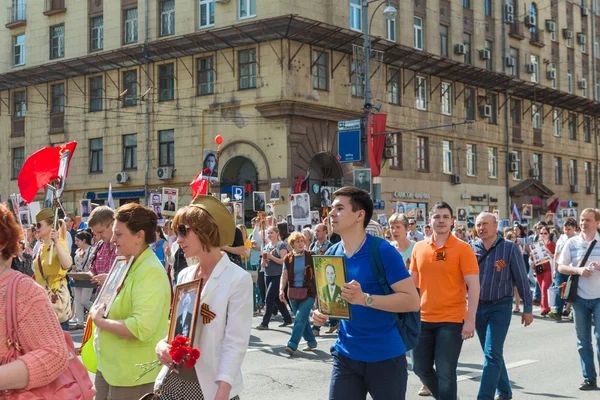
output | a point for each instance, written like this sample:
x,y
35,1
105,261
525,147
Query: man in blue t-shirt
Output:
x,y
369,355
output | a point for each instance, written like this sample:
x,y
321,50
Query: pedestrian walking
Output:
x,y
543,272
83,258
569,230
101,223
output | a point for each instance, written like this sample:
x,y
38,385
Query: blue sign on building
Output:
x,y
237,193
349,140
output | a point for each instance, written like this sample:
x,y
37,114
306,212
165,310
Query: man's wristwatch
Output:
x,y
368,300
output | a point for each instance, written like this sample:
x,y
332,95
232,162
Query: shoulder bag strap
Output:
x,y
39,261
487,253
587,253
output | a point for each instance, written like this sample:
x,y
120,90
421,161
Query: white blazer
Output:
x,y
224,341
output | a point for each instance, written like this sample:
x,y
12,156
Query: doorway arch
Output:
x,y
241,171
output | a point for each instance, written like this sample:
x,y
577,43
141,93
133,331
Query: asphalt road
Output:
x,y
542,363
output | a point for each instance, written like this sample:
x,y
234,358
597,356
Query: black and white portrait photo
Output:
x,y
314,218
300,209
185,310
325,196
270,209
462,214
184,316
527,211
210,166
362,179
275,191
258,201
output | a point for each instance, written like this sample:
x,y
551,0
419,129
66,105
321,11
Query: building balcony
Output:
x,y
537,38
53,7
17,127
516,134
15,16
515,30
537,137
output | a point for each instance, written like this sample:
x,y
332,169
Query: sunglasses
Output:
x,y
38,226
543,233
182,231
412,223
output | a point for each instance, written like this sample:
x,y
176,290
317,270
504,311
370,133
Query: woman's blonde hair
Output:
x,y
398,219
61,228
509,235
242,228
202,223
294,237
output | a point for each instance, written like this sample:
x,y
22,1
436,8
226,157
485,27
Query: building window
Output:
x,y
166,148
57,41
447,151
320,70
166,82
247,69
422,154
129,152
18,158
96,163
572,127
97,33
356,79
393,86
446,92
515,112
96,92
130,35
514,54
536,116
487,8
397,143
443,41
206,76
206,13
535,62
492,101
418,31
597,46
569,81
167,17
58,98
587,136
537,166
556,122
588,174
470,104
421,93
19,104
467,43
466,3
584,89
492,162
471,159
247,8
130,84
558,171
519,172
573,172
570,41
489,63
356,15
19,50
553,68
391,30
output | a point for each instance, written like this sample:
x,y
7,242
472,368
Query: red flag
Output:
x,y
554,205
41,168
298,186
199,185
376,143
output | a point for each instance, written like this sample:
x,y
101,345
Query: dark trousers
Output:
x,y
440,344
262,288
383,380
272,283
493,321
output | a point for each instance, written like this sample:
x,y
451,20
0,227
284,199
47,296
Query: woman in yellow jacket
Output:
x,y
51,267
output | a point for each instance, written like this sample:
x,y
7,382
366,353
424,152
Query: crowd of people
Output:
x,y
464,282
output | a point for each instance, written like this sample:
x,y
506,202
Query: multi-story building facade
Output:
x,y
144,86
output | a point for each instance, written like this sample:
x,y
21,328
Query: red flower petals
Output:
x,y
181,351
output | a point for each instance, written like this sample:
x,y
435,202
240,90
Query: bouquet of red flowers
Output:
x,y
180,352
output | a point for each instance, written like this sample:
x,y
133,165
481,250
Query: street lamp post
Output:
x,y
389,13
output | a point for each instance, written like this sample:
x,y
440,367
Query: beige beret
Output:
x,y
220,214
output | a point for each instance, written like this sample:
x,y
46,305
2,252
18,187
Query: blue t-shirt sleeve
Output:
x,y
395,269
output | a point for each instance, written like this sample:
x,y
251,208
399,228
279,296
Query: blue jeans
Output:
x,y
65,325
583,311
383,380
493,321
301,326
440,344
560,303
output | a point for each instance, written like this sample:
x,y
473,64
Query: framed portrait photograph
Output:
x,y
549,218
462,214
185,310
527,211
270,209
564,213
24,219
300,204
382,220
259,203
288,220
85,207
314,218
169,199
330,276
238,213
210,166
275,191
362,179
420,216
326,193
113,282
572,213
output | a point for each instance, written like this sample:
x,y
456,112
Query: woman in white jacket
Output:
x,y
202,229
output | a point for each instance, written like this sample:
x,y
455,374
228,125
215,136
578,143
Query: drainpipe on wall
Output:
x,y
594,55
147,133
506,117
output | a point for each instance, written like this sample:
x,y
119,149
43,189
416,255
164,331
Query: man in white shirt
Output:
x,y
586,308
413,234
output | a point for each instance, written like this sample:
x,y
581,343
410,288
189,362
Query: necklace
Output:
x,y
357,249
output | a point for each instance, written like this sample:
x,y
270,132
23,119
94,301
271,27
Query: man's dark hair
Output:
x,y
426,226
571,222
441,205
359,200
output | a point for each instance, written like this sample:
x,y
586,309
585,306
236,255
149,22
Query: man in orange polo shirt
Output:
x,y
443,267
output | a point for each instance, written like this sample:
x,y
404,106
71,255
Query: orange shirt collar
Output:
x,y
449,243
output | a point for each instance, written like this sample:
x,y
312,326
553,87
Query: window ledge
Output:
x,y
423,170
95,172
516,36
492,177
16,24
55,131
254,16
55,12
205,27
517,140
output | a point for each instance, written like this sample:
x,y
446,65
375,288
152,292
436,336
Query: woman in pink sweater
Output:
x,y
45,352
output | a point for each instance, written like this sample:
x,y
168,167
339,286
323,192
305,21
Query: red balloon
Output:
x,y
219,140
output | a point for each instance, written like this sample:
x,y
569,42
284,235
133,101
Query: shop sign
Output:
x,y
536,201
410,195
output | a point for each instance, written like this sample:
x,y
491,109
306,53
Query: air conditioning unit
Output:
x,y
513,166
509,9
512,158
581,38
389,141
509,18
510,62
455,179
164,173
574,188
121,177
485,110
530,20
485,54
459,49
534,172
389,152
590,190
585,11
551,74
582,84
550,25
568,34
529,68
